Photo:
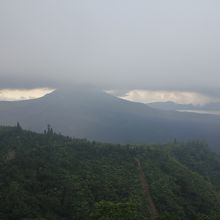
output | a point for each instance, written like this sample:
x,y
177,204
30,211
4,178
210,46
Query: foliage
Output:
x,y
49,176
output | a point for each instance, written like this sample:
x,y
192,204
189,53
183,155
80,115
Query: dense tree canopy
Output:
x,y
49,176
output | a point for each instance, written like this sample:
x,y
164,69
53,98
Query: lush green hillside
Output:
x,y
49,176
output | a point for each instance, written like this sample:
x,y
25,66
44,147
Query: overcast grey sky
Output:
x,y
135,44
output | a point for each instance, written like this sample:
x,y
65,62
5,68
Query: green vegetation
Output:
x,y
49,176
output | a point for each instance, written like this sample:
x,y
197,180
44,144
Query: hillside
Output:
x,y
49,176
84,111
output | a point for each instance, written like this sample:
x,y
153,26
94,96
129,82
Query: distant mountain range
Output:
x,y
209,107
87,112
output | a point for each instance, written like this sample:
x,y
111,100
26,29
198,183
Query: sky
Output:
x,y
127,45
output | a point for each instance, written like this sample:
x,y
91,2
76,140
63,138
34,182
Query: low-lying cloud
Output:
x,y
143,96
23,94
180,97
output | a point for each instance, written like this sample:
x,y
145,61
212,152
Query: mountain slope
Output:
x,y
49,176
90,113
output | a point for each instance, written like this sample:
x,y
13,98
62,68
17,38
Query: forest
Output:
x,y
49,176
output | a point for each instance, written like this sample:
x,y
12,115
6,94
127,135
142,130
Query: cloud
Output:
x,y
23,94
126,44
180,97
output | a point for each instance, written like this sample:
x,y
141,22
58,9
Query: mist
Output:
x,y
123,44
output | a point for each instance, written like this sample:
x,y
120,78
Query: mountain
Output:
x,y
49,176
87,112
211,108
170,106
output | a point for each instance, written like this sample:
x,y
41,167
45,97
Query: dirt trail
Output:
x,y
150,203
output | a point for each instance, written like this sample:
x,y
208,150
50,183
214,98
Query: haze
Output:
x,y
117,44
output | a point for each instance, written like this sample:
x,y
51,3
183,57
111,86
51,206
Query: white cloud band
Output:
x,y
180,97
23,94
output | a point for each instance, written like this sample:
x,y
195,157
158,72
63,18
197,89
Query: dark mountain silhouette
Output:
x,y
213,106
88,112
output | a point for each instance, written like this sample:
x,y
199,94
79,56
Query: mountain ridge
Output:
x,y
87,112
